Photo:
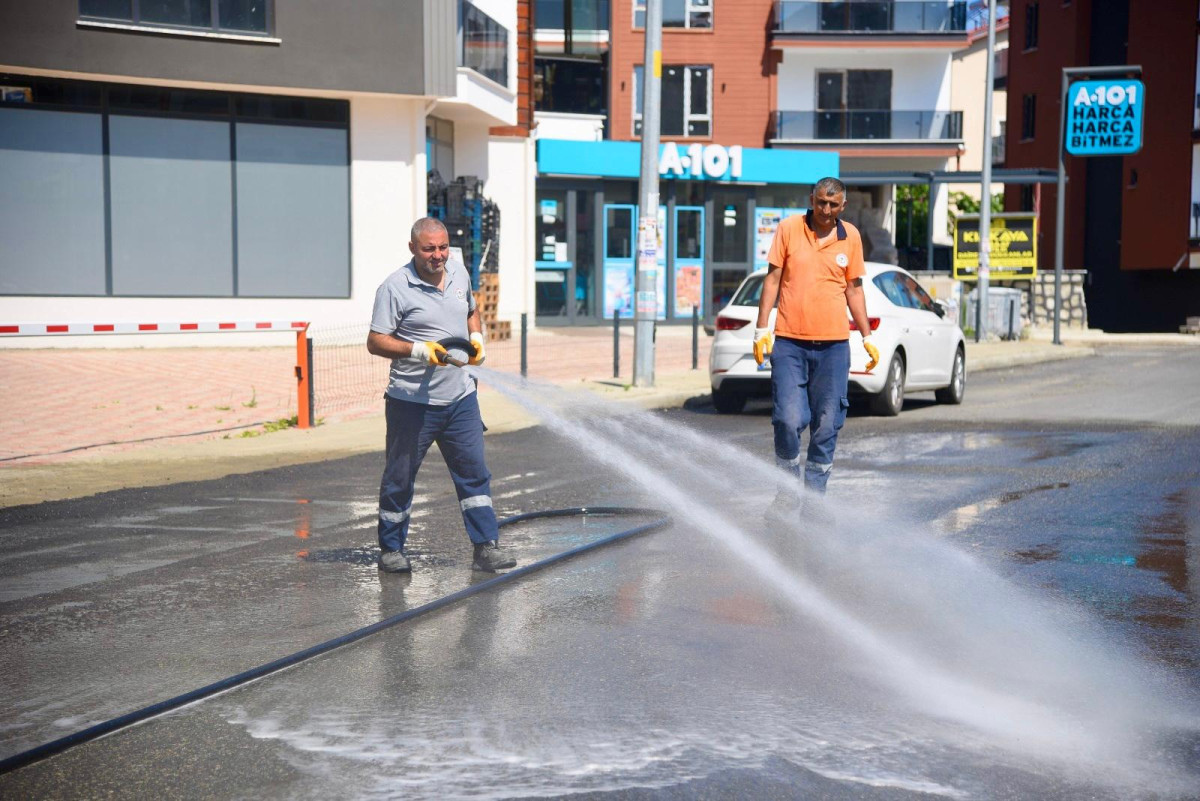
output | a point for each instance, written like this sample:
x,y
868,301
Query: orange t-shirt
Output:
x,y
812,289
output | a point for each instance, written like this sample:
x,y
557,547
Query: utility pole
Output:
x,y
985,184
646,281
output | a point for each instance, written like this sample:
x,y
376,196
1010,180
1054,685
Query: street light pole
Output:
x,y
985,187
646,281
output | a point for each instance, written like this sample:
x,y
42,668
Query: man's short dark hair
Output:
x,y
424,225
829,185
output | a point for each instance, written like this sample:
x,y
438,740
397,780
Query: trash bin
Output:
x,y
1003,311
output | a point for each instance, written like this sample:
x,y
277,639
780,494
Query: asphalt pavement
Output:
x,y
1033,540
1009,609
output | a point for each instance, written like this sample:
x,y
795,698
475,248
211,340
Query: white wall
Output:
x,y
919,80
507,166
580,127
511,186
387,193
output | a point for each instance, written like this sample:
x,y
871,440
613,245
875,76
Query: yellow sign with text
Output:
x,y
1013,252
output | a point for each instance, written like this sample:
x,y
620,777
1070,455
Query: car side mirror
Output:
x,y
940,308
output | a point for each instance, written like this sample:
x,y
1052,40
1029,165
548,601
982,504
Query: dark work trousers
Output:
x,y
808,387
458,431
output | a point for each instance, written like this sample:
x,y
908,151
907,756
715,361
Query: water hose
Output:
x,y
54,747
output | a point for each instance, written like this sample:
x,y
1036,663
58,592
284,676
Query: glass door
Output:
x,y
620,223
620,261
687,273
553,274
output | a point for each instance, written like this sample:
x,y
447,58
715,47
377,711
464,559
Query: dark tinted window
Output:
x,y
293,108
108,9
191,13
243,15
179,101
48,91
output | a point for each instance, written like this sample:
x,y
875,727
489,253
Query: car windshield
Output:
x,y
749,292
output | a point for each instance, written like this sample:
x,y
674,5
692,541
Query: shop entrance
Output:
x,y
680,258
566,240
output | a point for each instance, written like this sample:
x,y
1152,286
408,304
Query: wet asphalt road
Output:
x,y
1040,543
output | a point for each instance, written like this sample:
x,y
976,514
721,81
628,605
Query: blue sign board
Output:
x,y
1104,118
610,159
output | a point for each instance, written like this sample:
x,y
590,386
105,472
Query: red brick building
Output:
x,y
1129,219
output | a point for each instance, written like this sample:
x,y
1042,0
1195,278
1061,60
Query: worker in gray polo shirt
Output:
x,y
427,300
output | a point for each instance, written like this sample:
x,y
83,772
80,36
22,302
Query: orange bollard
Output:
x,y
304,410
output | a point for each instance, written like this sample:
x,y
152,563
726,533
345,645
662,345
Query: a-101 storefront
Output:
x,y
718,210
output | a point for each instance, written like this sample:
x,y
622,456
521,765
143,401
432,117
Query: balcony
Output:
x,y
803,18
867,125
998,143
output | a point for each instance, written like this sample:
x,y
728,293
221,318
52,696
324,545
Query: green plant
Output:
x,y
273,425
222,408
912,215
250,404
962,203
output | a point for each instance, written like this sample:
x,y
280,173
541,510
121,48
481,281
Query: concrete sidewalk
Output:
x,y
57,399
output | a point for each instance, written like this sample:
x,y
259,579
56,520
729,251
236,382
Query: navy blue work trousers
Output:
x,y
808,387
458,431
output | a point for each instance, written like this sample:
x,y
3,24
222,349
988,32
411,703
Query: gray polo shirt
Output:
x,y
413,310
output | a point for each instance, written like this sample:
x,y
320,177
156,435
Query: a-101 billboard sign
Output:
x,y
1104,118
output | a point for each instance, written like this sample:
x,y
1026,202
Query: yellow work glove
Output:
x,y
429,352
477,341
764,343
872,351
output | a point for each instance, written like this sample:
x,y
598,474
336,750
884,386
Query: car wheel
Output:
x,y
890,399
728,402
953,394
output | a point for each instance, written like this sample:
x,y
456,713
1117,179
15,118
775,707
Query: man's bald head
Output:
x,y
426,225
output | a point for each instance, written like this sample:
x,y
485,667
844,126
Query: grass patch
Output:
x,y
250,404
274,425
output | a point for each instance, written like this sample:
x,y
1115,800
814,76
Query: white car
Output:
x,y
920,347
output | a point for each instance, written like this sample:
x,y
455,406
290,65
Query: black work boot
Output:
x,y
394,562
490,558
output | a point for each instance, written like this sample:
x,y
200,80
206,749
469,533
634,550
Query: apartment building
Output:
x,y
1132,222
250,159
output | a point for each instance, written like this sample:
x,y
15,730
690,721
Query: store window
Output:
x,y
686,100
200,194
229,16
677,13
439,147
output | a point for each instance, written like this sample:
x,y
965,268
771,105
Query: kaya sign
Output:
x,y
699,161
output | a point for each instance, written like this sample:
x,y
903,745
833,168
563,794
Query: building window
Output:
x,y
439,147
569,85
1027,198
227,16
686,101
483,44
1028,116
677,13
1031,26
582,25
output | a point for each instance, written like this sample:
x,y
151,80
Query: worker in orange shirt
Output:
x,y
815,274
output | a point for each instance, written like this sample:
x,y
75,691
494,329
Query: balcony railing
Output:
x,y
483,43
868,124
998,149
870,16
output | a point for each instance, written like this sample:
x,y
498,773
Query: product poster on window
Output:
x,y
689,289
619,291
766,222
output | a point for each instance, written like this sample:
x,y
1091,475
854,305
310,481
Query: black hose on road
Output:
x,y
49,749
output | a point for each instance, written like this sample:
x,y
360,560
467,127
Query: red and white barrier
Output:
x,y
50,329
304,396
